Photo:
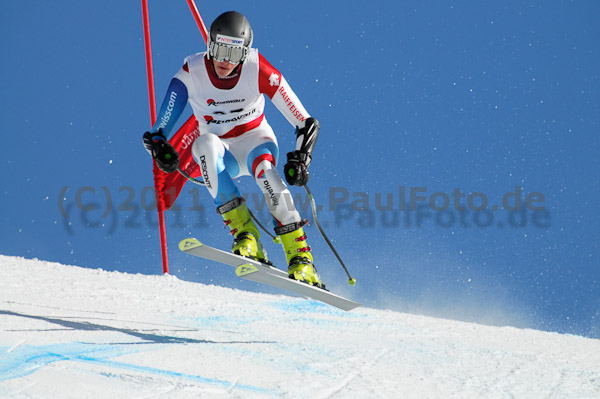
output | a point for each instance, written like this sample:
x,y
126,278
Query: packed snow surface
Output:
x,y
70,332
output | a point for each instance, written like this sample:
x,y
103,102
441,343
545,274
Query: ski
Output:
x,y
256,271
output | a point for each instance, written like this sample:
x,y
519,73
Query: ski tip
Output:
x,y
352,282
244,270
189,243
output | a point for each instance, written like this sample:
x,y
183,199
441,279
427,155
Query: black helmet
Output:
x,y
229,38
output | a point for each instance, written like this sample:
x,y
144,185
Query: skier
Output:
x,y
225,87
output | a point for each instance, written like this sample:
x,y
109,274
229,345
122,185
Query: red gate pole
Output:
x,y
198,19
152,100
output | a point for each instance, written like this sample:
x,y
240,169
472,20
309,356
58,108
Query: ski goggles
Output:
x,y
222,52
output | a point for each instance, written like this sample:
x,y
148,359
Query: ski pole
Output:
x,y
190,178
351,281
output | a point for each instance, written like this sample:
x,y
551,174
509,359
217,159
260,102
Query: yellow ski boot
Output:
x,y
297,252
246,240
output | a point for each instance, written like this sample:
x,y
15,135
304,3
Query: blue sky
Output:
x,y
442,97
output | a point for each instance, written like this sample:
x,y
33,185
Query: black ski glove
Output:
x,y
295,170
167,159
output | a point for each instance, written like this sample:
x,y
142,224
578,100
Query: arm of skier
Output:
x,y
155,141
273,84
174,102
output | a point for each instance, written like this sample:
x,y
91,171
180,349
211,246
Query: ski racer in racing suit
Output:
x,y
225,87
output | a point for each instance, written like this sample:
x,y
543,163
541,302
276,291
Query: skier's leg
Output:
x,y
282,207
216,162
275,191
218,165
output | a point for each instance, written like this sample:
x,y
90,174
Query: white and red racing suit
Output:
x,y
235,139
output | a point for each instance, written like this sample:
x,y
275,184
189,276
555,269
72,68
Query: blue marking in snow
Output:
x,y
26,359
220,321
310,306
191,377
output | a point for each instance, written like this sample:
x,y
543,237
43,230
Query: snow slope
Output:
x,y
70,332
